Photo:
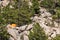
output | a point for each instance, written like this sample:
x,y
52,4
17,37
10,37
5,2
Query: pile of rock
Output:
x,y
18,32
4,2
44,19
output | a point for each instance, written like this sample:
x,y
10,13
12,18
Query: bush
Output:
x,y
3,33
35,6
37,33
57,15
47,3
19,15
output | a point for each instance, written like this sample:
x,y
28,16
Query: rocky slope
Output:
x,y
46,22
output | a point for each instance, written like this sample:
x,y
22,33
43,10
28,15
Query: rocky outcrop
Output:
x,y
46,22
18,32
4,2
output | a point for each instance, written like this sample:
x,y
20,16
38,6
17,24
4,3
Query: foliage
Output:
x,y
37,33
35,6
47,3
19,15
53,7
51,4
57,15
3,33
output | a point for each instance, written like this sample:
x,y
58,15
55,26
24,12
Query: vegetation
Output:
x,y
35,6
20,14
52,6
47,3
37,33
3,33
57,15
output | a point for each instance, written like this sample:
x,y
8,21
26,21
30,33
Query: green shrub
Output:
x,y
47,3
37,33
57,15
35,6
20,16
3,33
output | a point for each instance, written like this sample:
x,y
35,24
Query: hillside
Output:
x,y
30,20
